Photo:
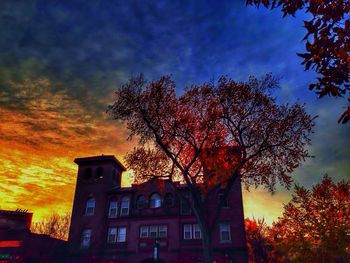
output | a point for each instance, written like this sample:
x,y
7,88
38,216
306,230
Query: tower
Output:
x,y
96,176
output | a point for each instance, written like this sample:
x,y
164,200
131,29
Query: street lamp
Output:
x,y
156,251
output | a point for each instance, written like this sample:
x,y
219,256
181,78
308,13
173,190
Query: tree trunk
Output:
x,y
207,246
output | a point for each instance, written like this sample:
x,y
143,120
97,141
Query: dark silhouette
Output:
x,y
55,225
211,136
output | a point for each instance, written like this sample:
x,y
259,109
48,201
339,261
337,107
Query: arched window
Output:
x,y
124,206
88,173
141,202
168,200
90,207
99,173
155,200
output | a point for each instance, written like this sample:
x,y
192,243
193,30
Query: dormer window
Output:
x,y
141,202
90,207
155,201
168,200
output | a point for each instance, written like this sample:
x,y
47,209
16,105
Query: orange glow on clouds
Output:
x,y
43,130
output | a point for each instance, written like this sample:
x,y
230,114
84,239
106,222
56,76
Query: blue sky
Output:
x,y
86,49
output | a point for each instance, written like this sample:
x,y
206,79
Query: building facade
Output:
x,y
18,244
133,224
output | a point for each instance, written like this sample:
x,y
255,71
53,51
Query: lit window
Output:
x,y
90,207
141,202
85,239
144,232
112,235
197,234
225,232
155,201
153,231
113,209
121,234
187,231
124,207
162,231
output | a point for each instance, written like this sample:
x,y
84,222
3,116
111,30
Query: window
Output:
x,y
187,231
153,231
155,201
197,233
88,173
192,231
225,232
112,235
85,238
144,232
141,202
168,200
99,173
162,231
124,208
113,209
121,234
90,207
223,201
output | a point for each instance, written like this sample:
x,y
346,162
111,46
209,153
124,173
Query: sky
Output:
x,y
60,62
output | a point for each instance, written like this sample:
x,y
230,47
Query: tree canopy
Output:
x,y
315,226
211,135
327,43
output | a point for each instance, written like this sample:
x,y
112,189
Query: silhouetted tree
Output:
x,y
327,43
211,136
315,226
55,225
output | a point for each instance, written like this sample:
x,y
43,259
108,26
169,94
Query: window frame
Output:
x,y
144,227
222,230
110,209
155,203
119,235
165,231
156,231
122,209
196,229
184,231
110,234
87,206
84,236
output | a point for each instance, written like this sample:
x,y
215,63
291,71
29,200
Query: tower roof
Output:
x,y
99,158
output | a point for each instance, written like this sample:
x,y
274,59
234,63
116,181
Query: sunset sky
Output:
x,y
60,62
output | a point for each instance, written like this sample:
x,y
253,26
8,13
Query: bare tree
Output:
x,y
55,225
210,136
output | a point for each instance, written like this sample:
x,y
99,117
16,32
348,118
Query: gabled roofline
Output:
x,y
102,157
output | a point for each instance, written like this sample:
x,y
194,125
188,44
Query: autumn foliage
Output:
x,y
315,227
211,136
327,43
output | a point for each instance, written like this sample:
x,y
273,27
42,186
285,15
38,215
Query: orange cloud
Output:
x,y
41,132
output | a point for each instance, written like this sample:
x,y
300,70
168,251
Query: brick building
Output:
x,y
18,244
130,224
